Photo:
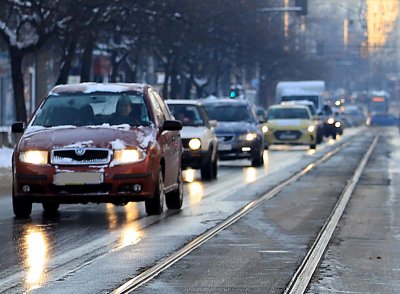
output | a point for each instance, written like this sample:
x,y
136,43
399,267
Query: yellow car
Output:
x,y
290,124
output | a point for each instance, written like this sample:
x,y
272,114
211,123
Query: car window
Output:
x,y
162,104
189,115
91,109
160,115
288,113
229,113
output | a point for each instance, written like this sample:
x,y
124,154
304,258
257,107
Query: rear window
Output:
x,y
288,113
312,98
189,115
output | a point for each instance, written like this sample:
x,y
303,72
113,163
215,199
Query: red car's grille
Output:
x,y
80,156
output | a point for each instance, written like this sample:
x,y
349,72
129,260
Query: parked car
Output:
x,y
198,137
291,124
239,131
384,119
101,143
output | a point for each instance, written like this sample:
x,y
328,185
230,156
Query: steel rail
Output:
x,y
153,271
304,273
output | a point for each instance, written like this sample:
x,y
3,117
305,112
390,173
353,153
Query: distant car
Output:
x,y
101,143
333,126
239,131
353,116
384,119
291,124
318,118
198,136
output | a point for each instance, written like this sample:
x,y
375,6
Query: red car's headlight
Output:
x,y
127,156
34,157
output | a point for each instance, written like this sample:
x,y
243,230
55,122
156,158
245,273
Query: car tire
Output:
x,y
21,208
258,160
320,137
174,199
207,169
50,208
215,167
155,205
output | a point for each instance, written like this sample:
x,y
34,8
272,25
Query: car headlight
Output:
x,y
194,144
265,129
34,157
127,156
248,137
331,121
338,124
311,129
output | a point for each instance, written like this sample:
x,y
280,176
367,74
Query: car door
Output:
x,y
170,141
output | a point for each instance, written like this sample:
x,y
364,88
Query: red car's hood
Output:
x,y
74,137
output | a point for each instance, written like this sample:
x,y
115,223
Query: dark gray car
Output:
x,y
238,130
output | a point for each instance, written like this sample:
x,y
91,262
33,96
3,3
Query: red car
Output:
x,y
101,143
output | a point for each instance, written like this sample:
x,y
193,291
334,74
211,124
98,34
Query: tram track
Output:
x,y
303,274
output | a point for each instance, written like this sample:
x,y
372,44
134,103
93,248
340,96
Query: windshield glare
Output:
x,y
93,109
229,113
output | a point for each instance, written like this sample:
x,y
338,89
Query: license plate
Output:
x,y
224,147
78,178
288,136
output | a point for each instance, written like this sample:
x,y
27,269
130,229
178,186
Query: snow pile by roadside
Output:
x,y
5,156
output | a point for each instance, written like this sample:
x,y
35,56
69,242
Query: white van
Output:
x,y
302,90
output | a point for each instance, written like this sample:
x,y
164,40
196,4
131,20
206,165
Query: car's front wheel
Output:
x,y
174,199
155,205
258,159
21,208
207,170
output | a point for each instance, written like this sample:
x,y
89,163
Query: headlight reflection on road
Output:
x,y
196,192
36,257
311,151
130,235
188,175
111,216
250,175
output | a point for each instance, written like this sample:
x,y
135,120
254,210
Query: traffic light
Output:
x,y
234,93
303,5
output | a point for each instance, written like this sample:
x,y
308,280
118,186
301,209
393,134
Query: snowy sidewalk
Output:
x,y
5,170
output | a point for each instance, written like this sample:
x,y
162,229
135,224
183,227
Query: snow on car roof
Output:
x,y
97,87
182,101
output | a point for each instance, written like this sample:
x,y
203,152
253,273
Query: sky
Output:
x,y
5,157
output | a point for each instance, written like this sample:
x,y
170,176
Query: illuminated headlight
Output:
x,y
127,156
311,129
248,136
338,124
194,144
331,121
265,129
34,157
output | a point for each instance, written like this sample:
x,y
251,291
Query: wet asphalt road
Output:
x,y
95,248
